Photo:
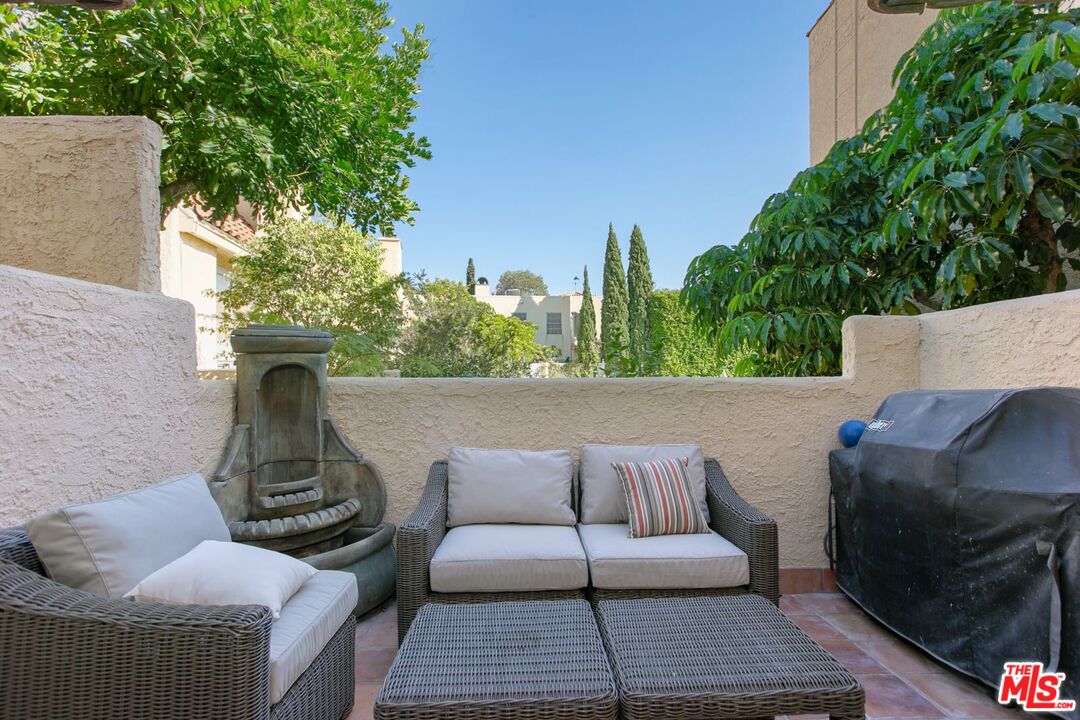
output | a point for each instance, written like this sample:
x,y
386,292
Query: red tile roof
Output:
x,y
233,225
236,227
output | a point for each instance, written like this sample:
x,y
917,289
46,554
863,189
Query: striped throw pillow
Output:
x,y
660,498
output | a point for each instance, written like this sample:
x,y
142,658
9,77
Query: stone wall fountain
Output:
x,y
289,480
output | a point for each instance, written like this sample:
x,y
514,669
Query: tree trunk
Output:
x,y
927,300
1038,229
172,194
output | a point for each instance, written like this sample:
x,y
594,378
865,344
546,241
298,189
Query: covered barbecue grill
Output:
x,y
958,526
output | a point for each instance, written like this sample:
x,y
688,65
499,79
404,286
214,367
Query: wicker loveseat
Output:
x,y
67,653
420,536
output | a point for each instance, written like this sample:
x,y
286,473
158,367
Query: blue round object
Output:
x,y
850,432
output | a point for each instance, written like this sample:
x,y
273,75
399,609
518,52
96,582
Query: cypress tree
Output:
x,y
640,286
614,338
470,277
588,357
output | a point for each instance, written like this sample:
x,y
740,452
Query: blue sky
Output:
x,y
549,120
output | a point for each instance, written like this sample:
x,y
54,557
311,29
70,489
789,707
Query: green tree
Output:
x,y
528,283
285,103
614,330
507,346
640,285
962,190
588,356
470,277
680,348
324,276
455,335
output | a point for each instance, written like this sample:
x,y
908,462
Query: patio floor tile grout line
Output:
x,y
903,677
944,711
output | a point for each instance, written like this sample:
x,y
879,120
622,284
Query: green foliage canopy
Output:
x,y
962,190
470,277
529,283
284,103
614,330
640,284
588,356
319,275
678,347
455,335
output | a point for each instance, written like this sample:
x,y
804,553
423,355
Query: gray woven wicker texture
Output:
x,y
720,657
66,654
525,659
751,530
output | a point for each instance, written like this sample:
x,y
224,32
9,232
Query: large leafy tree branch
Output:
x,y
963,190
525,282
285,103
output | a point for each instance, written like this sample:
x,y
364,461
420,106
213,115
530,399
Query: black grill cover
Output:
x,y
948,515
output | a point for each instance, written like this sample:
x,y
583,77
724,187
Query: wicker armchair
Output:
x,y
419,536
65,653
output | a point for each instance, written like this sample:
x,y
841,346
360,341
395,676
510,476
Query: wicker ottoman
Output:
x,y
720,657
528,659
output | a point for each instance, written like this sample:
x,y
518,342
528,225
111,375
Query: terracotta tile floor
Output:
x,y
900,681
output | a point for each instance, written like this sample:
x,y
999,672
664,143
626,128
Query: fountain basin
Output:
x,y
367,553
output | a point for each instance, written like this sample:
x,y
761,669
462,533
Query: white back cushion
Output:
x,y
509,486
106,547
602,497
225,573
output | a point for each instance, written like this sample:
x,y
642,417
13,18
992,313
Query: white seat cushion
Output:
x,y
308,620
618,562
509,558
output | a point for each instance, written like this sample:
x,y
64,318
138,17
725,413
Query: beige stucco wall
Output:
x,y
853,51
79,197
1027,342
98,387
771,435
98,393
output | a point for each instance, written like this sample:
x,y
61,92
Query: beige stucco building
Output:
x,y
196,258
853,52
555,317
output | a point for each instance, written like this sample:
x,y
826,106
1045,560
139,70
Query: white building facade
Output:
x,y
555,317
